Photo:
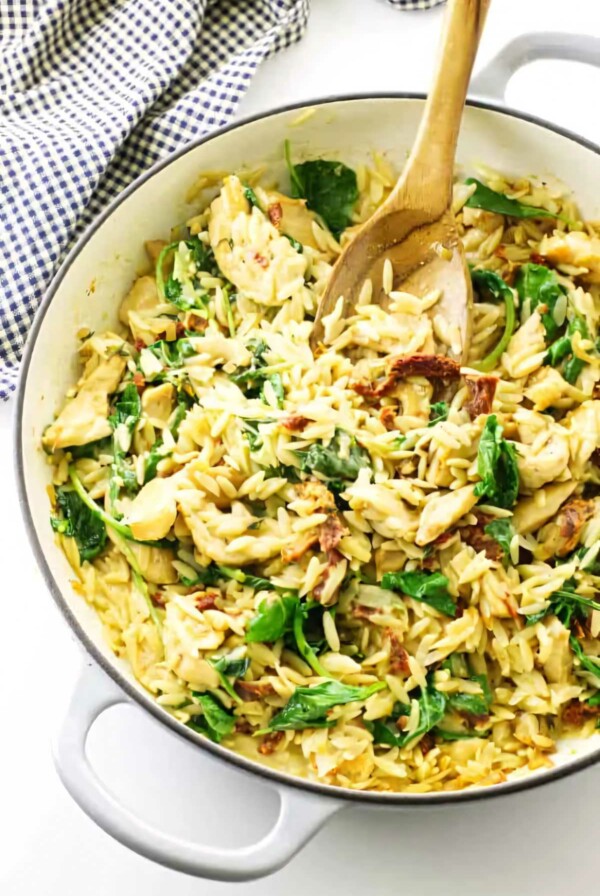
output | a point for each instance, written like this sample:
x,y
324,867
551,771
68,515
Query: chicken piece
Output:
x,y
85,418
561,536
252,253
154,248
186,632
576,248
442,511
153,510
291,217
536,468
143,296
557,667
526,350
157,403
531,513
156,564
583,425
547,389
151,329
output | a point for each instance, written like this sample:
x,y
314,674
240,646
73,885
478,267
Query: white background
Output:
x,y
539,842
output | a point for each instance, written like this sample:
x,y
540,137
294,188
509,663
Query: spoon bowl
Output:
x,y
415,228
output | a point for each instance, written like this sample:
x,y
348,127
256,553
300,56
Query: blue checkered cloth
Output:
x,y
94,92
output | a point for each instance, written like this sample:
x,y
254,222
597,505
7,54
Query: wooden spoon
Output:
x,y
415,227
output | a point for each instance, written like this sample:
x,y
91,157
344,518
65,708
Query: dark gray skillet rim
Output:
x,y
276,777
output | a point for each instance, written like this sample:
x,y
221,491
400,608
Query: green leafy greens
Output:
x,y
127,412
476,705
330,189
80,523
438,412
539,285
215,722
497,467
252,379
429,587
171,290
432,708
567,605
501,531
340,460
308,706
492,288
228,667
492,201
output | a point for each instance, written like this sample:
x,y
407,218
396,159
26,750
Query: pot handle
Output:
x,y
301,814
493,78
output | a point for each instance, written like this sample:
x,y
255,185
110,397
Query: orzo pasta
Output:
x,y
365,565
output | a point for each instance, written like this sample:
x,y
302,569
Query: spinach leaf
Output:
x,y
277,384
492,288
80,523
273,620
472,704
308,706
216,723
127,412
438,412
227,668
294,243
432,707
254,377
252,432
540,285
252,197
341,459
497,467
488,199
305,650
281,471
563,348
172,354
589,663
567,605
501,531
156,454
330,189
211,575
92,449
128,409
203,257
429,587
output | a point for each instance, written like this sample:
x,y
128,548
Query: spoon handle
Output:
x,y
426,180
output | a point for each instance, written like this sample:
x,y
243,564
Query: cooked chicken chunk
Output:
x,y
143,296
156,564
442,511
85,418
557,667
545,464
531,513
576,248
157,403
268,274
561,536
291,217
153,510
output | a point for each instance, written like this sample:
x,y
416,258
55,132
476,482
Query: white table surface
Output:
x,y
543,841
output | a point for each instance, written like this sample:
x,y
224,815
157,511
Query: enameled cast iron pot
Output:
x,y
109,254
